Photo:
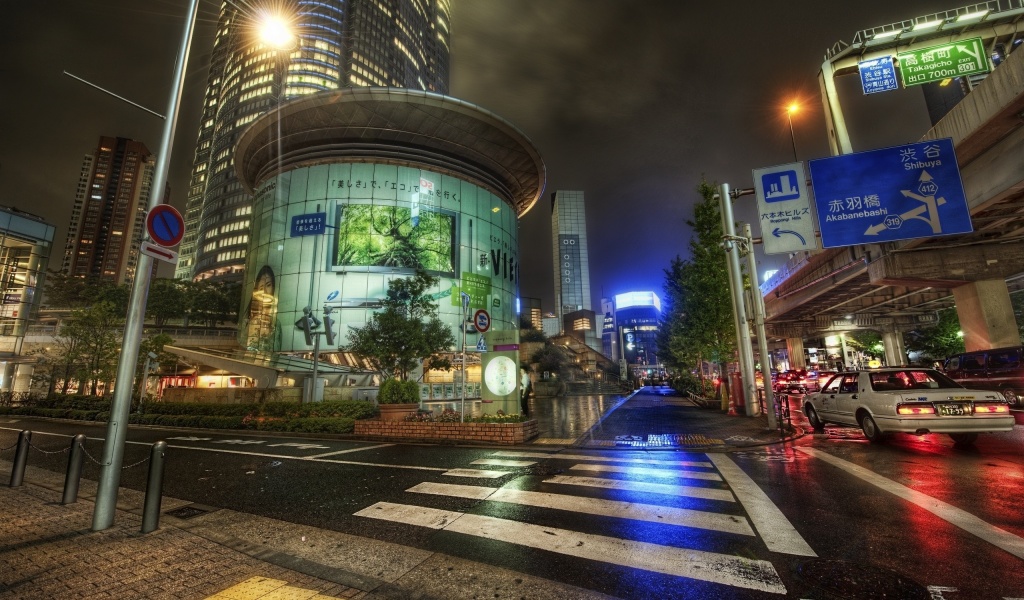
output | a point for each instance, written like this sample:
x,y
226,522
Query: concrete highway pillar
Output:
x,y
795,349
986,315
895,351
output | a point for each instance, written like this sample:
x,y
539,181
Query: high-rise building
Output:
x,y
571,259
530,310
108,218
341,43
637,319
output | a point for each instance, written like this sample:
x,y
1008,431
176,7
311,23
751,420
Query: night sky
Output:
x,y
631,102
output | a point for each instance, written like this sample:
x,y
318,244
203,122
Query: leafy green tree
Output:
x,y
867,341
211,303
167,300
549,359
697,323
64,291
93,336
154,344
940,340
406,332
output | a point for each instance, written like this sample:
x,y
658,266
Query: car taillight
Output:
x,y
915,409
995,408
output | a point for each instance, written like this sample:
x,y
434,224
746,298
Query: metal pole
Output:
x,y
465,317
117,426
757,302
20,458
142,384
154,488
74,472
314,392
792,136
746,351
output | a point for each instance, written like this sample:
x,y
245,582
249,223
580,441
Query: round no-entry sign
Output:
x,y
482,321
165,225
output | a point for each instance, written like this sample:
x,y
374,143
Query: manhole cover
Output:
x,y
860,581
188,512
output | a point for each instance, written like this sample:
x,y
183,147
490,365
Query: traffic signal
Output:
x,y
328,325
308,324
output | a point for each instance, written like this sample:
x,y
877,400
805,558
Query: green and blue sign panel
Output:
x,y
890,194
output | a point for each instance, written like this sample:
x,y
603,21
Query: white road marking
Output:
x,y
503,463
476,473
773,526
594,506
350,450
947,512
634,461
651,472
678,562
474,492
648,488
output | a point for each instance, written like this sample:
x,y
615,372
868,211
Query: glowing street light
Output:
x,y
792,108
277,33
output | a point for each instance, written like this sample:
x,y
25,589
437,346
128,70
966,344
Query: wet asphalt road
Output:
x,y
911,518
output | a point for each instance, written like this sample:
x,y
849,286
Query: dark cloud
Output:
x,y
631,102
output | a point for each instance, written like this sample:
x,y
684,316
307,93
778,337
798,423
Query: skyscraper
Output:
x,y
108,217
341,43
571,262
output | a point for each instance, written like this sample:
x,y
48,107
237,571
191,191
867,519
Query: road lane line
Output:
x,y
635,461
964,520
651,472
636,511
678,562
773,526
349,451
645,487
503,463
301,458
476,473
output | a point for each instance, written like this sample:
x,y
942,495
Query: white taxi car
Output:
x,y
918,401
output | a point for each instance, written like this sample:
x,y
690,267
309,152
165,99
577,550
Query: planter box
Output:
x,y
507,434
396,412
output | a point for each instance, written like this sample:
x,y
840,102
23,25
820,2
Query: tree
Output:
x,y
167,300
210,303
867,342
940,340
92,336
154,344
406,332
549,359
697,322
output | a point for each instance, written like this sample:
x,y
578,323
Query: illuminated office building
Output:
x,y
637,318
108,218
341,44
572,266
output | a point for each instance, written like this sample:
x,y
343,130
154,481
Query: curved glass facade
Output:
x,y
337,233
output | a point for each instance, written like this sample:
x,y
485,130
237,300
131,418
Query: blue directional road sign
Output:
x,y
310,224
878,75
784,209
890,194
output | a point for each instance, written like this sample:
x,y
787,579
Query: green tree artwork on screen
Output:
x,y
384,236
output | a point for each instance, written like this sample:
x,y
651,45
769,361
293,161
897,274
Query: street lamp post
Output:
x,y
117,425
792,108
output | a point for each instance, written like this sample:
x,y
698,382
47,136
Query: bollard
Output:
x,y
154,485
74,473
20,458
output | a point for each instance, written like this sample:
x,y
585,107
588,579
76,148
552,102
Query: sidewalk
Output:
x,y
650,419
48,552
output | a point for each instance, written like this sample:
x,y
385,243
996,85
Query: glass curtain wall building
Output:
x,y
340,43
572,261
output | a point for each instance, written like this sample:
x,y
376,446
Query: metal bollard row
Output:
x,y
73,475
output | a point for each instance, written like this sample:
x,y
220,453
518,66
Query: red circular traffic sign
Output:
x,y
482,321
165,225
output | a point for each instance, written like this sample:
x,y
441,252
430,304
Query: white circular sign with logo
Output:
x,y
500,376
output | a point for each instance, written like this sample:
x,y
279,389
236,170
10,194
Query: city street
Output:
x,y
828,516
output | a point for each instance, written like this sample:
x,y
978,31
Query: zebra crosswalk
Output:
x,y
716,488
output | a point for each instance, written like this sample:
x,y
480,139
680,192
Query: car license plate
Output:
x,y
952,410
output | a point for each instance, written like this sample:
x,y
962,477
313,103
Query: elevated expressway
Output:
x,y
894,287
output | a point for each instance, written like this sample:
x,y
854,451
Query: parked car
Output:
x,y
998,369
918,401
824,376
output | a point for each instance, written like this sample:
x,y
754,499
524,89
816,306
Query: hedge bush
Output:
x,y
320,417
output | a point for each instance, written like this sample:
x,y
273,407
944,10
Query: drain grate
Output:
x,y
188,512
